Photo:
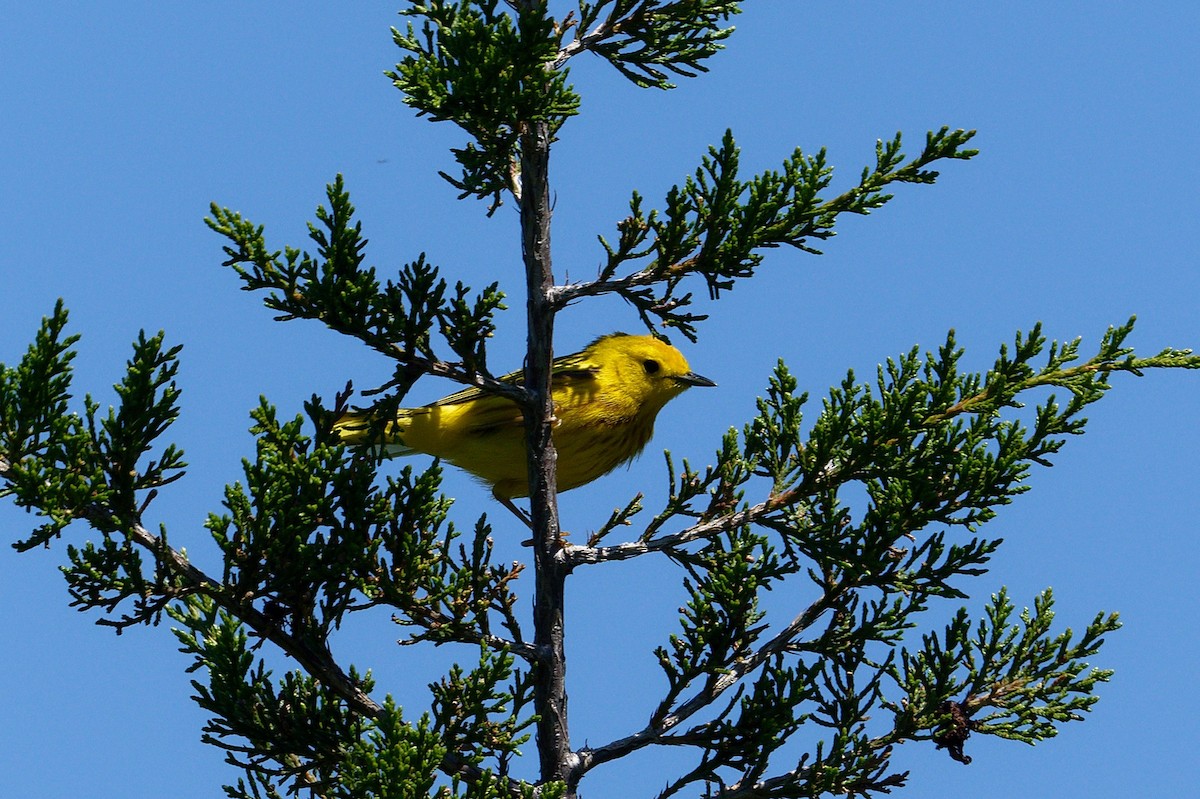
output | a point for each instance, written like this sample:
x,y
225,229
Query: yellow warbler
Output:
x,y
605,401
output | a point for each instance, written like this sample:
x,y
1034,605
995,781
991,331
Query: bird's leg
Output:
x,y
520,514
528,522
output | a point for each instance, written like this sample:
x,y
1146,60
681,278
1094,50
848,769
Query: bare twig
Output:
x,y
604,30
580,555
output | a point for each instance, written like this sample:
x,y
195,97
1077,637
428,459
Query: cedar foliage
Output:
x,y
312,533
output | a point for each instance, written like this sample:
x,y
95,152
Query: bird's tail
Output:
x,y
364,428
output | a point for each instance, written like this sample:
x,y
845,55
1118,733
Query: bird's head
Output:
x,y
651,371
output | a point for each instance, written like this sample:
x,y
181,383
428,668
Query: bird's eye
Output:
x,y
651,366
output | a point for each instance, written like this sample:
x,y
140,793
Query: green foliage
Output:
x,y
291,730
932,448
497,70
716,224
722,620
867,512
298,527
487,69
394,318
647,39
482,712
41,439
1025,680
67,466
441,591
298,731
395,759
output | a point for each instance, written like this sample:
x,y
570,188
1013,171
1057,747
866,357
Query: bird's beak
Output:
x,y
693,379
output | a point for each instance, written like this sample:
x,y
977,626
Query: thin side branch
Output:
x,y
657,730
454,370
566,294
579,555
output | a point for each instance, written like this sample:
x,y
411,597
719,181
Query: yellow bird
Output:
x,y
605,401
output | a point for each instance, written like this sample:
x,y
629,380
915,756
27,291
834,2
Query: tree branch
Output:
x,y
317,662
580,555
566,294
603,30
522,649
454,370
655,732
550,692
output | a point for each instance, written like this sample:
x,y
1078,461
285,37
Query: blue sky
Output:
x,y
121,123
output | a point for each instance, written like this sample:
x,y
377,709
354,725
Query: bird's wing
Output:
x,y
574,369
